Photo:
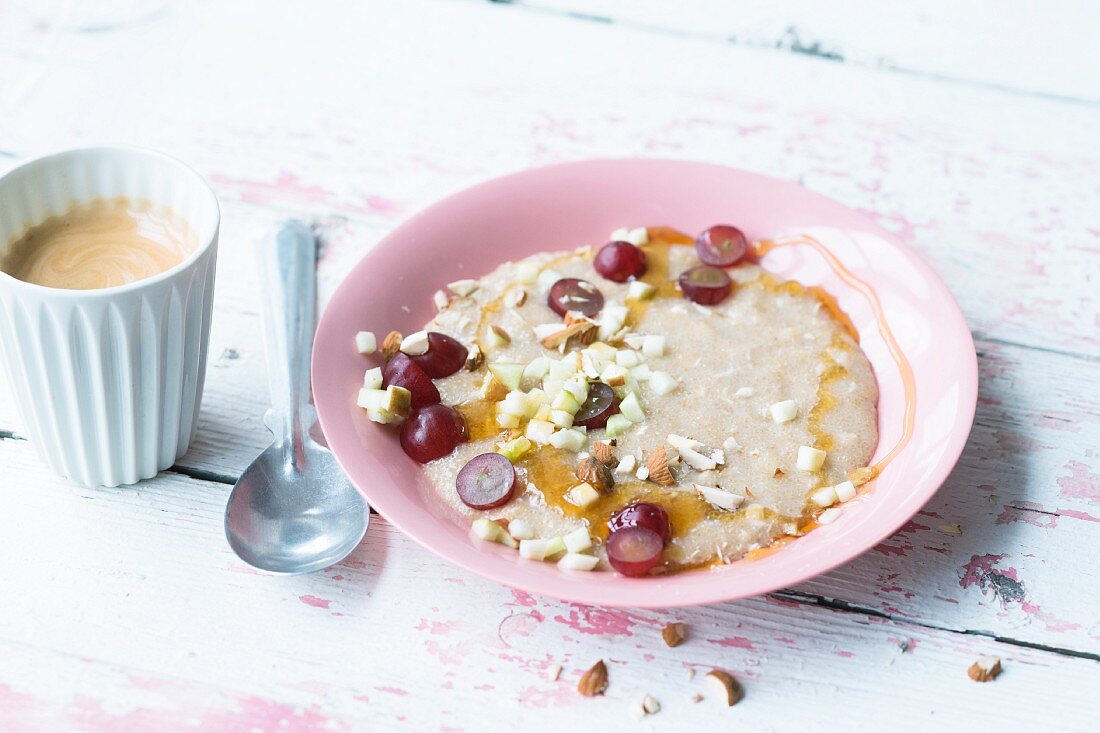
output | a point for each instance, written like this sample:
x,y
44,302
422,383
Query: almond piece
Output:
x,y
604,453
728,689
515,297
673,634
391,344
778,473
501,333
985,669
657,463
474,358
584,331
594,681
593,471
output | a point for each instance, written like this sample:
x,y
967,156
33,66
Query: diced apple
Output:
x,y
539,431
653,346
508,373
582,494
566,402
578,540
561,418
365,342
373,378
662,382
577,561
490,531
784,411
541,549
515,449
617,425
845,491
638,290
570,439
631,409
537,368
627,358
810,459
521,530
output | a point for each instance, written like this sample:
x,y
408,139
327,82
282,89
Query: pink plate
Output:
x,y
564,206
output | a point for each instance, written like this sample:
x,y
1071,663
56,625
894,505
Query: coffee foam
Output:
x,y
101,243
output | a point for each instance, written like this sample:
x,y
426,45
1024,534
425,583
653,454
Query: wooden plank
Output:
x,y
131,611
1013,46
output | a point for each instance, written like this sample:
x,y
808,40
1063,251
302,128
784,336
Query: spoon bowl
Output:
x,y
287,521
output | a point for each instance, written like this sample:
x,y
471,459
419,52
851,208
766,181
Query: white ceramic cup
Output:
x,y
108,381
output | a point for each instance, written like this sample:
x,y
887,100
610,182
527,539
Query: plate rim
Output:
x,y
911,505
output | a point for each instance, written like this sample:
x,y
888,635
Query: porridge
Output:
x,y
649,406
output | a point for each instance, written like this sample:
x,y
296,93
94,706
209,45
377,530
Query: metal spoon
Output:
x,y
292,510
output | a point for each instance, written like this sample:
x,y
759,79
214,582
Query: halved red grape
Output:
x,y
574,294
705,284
486,482
634,551
404,372
721,245
642,514
620,261
432,433
444,356
601,404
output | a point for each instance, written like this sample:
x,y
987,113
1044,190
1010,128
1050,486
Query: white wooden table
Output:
x,y
971,129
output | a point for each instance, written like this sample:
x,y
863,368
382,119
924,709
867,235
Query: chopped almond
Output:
x,y
594,681
593,471
729,690
673,634
604,453
583,331
985,669
657,463
391,344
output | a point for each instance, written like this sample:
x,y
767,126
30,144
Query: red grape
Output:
x,y
432,433
573,294
705,284
634,551
620,261
486,481
404,372
642,514
721,245
600,405
444,356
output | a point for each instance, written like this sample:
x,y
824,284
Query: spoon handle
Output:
x,y
287,260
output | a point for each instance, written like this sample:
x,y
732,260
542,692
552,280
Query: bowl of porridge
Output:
x,y
644,383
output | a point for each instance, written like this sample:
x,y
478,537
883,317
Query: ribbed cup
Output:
x,y
108,381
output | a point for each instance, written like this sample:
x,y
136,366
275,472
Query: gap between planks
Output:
x,y
784,595
795,45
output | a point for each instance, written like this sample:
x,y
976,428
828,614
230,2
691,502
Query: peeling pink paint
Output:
x,y
736,642
315,601
523,598
1081,483
393,690
436,627
599,621
845,655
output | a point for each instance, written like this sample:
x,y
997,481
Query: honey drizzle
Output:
x,y
906,370
550,471
481,418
